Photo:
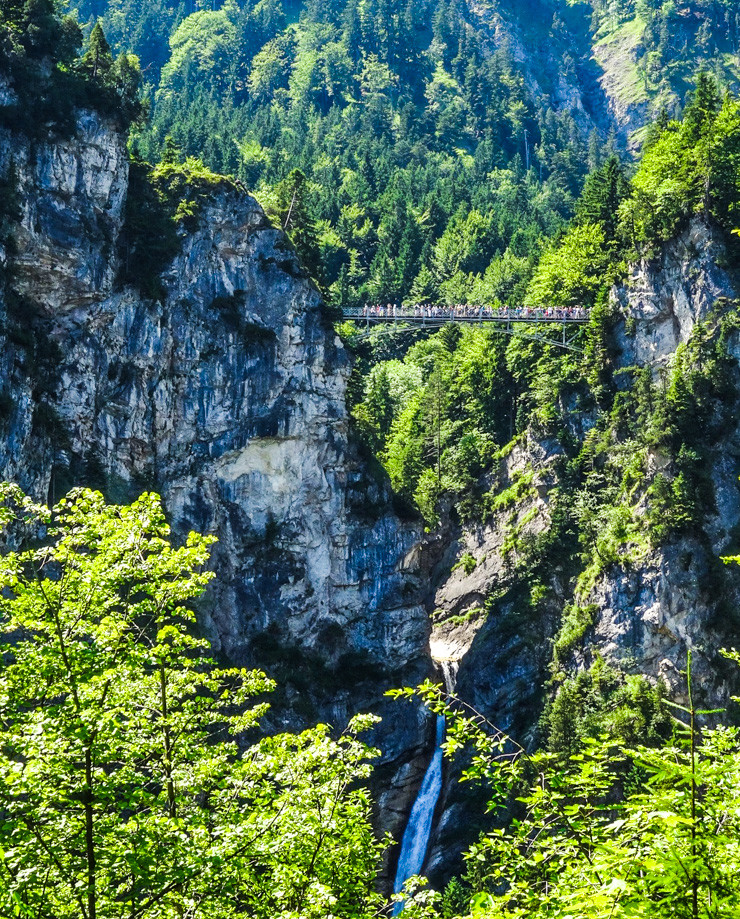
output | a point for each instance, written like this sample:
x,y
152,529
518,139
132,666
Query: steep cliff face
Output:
x,y
476,619
678,597
552,44
228,397
502,591
655,605
573,66
483,621
663,298
613,66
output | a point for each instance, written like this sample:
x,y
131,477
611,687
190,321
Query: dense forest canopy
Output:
x,y
418,153
439,413
428,156
40,54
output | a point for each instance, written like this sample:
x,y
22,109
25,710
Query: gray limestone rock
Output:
x,y
665,297
228,397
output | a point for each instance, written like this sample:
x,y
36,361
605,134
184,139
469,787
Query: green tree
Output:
x,y
270,68
200,48
703,106
124,78
97,60
126,786
571,273
614,829
603,192
34,26
690,168
293,206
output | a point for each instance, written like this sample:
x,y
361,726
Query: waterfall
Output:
x,y
449,673
419,828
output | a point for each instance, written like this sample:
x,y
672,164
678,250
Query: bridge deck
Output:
x,y
359,315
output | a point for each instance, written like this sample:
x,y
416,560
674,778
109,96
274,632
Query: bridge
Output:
x,y
509,321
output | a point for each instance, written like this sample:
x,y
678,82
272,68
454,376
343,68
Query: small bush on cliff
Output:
x,y
126,786
160,200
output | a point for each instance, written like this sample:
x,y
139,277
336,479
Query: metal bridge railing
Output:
x,y
438,315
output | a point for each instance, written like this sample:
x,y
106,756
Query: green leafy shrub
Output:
x,y
602,700
129,769
608,824
516,493
467,562
160,200
38,51
571,273
690,167
577,620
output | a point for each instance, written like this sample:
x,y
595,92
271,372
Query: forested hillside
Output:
x,y
437,418
397,145
553,522
650,52
434,141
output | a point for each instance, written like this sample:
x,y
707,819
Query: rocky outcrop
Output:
x,y
470,625
617,54
227,395
555,59
651,614
664,297
72,193
484,623
648,611
679,597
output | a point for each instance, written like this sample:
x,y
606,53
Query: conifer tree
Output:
x,y
97,60
294,208
703,106
603,192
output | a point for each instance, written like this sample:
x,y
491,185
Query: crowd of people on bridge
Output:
x,y
464,311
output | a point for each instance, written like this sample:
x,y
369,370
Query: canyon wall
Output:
x,y
227,396
502,588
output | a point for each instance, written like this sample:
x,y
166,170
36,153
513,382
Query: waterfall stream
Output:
x,y
419,828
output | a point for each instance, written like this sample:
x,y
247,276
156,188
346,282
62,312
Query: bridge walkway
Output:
x,y
444,316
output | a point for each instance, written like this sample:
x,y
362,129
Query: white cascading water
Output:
x,y
419,828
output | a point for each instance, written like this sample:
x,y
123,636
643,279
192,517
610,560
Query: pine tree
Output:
x,y
602,194
294,208
703,106
97,60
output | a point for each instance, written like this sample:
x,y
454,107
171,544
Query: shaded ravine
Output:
x,y
418,830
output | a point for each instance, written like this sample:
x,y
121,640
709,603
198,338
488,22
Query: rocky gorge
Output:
x,y
227,395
